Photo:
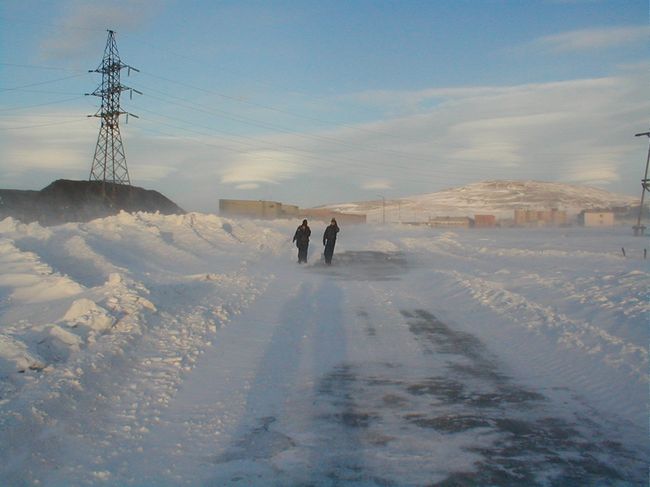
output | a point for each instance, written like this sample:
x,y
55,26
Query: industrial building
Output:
x,y
271,210
540,218
450,221
596,218
326,215
257,209
485,221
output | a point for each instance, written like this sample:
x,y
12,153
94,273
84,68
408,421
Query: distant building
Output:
x,y
485,221
326,215
450,221
415,223
596,218
539,218
271,210
257,209
628,214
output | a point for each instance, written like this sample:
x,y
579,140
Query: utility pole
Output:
x,y
383,209
109,162
639,229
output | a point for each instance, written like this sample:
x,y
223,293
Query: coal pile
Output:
x,y
79,201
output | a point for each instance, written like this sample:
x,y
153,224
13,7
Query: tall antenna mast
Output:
x,y
638,228
109,162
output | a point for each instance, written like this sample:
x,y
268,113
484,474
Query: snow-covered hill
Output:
x,y
498,198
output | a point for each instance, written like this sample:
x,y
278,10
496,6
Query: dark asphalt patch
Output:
x,y
371,418
433,332
262,442
532,447
371,331
449,423
364,265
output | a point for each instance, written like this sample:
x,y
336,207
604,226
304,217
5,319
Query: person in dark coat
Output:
x,y
301,237
329,240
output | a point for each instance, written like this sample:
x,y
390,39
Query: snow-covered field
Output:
x,y
192,350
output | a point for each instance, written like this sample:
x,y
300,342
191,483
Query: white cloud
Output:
x,y
376,184
577,130
574,131
44,158
150,172
83,24
586,39
31,142
593,174
262,166
498,139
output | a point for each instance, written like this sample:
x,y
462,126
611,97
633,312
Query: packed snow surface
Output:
x,y
144,349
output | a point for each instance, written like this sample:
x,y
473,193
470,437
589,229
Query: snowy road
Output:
x,y
311,389
413,360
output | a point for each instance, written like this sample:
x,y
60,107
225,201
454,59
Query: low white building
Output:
x,y
597,218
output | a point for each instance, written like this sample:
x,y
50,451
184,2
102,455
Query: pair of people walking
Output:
x,y
301,238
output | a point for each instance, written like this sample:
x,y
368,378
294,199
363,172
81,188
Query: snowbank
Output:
x,y
100,322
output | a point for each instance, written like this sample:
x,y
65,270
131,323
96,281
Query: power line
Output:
x,y
256,143
222,113
265,142
46,24
262,124
275,109
42,125
257,123
190,105
65,100
14,88
354,166
222,68
47,92
37,66
403,177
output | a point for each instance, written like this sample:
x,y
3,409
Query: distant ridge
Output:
x,y
497,197
73,201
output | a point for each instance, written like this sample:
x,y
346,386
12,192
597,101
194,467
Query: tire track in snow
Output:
x,y
569,332
622,292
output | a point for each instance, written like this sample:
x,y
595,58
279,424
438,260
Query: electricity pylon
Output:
x,y
109,162
639,229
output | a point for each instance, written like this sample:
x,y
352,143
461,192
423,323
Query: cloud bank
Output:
x,y
82,24
588,39
577,131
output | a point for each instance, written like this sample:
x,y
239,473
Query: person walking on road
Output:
x,y
301,237
329,240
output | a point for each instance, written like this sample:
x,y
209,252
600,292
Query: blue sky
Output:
x,y
313,102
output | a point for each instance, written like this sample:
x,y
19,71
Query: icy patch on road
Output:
x,y
364,265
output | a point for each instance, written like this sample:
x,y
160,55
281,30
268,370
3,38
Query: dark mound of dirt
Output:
x,y
74,201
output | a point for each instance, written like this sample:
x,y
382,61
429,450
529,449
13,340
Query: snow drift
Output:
x,y
192,350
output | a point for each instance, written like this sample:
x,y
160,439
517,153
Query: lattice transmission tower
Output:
x,y
639,228
109,162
